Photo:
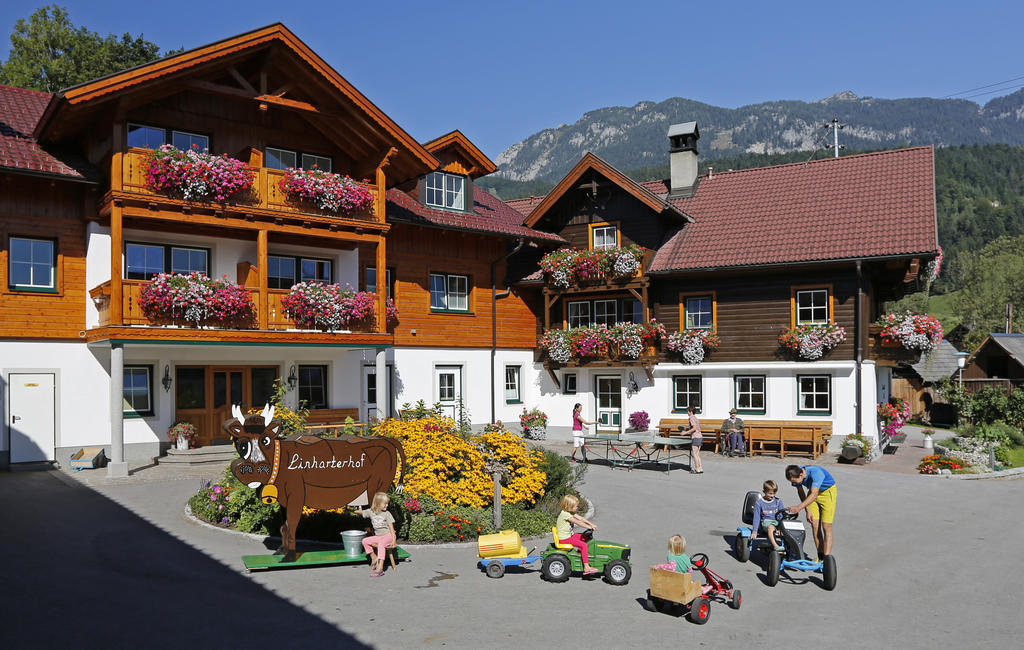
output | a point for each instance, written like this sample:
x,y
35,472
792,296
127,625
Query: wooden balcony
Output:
x,y
888,354
634,281
266,194
279,327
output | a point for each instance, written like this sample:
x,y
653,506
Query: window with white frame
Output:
x,y
280,158
605,237
449,292
814,393
280,272
32,264
750,394
142,261
579,314
309,161
686,392
699,313
313,386
569,383
812,307
184,141
370,281
445,191
314,270
605,312
512,385
152,137
137,391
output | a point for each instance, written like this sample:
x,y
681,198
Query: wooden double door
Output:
x,y
203,395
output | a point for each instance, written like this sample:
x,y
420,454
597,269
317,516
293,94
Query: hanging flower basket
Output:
x,y
197,300
569,266
328,192
934,267
919,332
329,307
195,175
811,341
692,345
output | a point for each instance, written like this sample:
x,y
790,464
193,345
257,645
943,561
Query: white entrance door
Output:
x,y
609,402
369,399
448,384
32,424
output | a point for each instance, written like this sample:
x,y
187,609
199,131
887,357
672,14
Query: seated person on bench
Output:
x,y
732,431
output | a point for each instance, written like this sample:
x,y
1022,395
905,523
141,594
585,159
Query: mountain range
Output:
x,y
635,137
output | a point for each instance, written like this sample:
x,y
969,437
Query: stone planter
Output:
x,y
851,452
535,433
181,443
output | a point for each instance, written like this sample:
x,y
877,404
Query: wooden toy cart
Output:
x,y
671,590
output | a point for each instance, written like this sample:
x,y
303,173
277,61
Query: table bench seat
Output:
x,y
782,437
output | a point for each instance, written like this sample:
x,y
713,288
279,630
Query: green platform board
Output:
x,y
311,558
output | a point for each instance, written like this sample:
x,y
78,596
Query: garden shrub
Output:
x,y
989,404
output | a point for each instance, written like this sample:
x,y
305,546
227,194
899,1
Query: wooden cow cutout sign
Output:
x,y
306,470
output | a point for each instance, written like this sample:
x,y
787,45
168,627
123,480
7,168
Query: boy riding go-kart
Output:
x,y
789,554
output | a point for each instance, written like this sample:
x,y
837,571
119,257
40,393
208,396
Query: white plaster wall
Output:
x,y
97,266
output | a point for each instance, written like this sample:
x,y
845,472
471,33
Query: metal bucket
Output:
x,y
353,540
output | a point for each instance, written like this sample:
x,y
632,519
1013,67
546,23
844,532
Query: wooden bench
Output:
x,y
781,437
330,423
710,429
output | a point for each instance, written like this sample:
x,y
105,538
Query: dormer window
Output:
x,y
446,191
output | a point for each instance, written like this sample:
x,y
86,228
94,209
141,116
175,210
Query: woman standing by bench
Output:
x,y
696,438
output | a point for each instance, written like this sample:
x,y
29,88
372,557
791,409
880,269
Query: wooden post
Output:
x,y
263,302
116,288
382,287
497,500
381,198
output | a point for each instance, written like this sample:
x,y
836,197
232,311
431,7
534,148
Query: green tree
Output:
x,y
990,278
49,53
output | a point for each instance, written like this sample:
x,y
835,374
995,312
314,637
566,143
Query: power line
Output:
x,y
992,92
970,90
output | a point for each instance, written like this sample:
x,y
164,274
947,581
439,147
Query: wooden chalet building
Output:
x,y
743,254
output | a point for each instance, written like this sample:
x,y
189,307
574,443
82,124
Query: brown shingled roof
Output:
x,y
20,110
490,215
525,205
868,205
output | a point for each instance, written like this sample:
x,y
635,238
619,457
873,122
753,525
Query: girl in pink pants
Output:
x,y
383,533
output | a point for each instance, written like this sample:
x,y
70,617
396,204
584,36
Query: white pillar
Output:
x,y
117,467
383,399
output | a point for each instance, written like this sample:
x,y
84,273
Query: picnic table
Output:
x,y
631,449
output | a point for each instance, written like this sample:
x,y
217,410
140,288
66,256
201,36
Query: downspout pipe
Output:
x,y
520,242
858,334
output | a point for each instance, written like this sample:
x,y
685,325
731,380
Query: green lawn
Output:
x,y
1016,456
942,308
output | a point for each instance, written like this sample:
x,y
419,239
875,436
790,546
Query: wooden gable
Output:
x,y
257,75
458,155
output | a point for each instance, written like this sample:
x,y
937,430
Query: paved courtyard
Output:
x,y
923,562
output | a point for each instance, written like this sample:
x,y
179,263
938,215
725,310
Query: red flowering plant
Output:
x,y
197,299
934,463
893,414
329,192
693,344
589,341
196,175
811,341
570,265
921,332
329,307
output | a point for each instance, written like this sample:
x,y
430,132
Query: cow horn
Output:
x,y
236,411
268,414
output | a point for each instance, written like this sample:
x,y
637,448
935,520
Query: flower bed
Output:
x,y
196,175
567,266
935,463
692,345
197,299
921,332
330,307
622,340
327,191
811,341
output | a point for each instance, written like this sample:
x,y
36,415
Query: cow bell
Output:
x,y
268,494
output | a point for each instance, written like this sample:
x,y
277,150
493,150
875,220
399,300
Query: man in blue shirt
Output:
x,y
819,501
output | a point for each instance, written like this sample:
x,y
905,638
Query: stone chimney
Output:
x,y
682,153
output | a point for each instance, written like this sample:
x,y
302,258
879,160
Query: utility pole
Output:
x,y
835,126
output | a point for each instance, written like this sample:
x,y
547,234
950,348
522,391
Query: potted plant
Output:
x,y
811,341
920,332
928,442
893,414
328,192
639,421
692,345
182,434
534,423
855,446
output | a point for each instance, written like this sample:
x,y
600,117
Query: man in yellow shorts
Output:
x,y
819,501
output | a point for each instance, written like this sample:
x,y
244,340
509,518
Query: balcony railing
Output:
x,y
132,314
888,353
266,193
602,282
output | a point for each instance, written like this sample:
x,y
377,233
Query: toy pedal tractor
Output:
x,y
612,558
790,555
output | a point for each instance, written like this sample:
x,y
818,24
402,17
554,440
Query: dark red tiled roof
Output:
x,y
525,205
867,205
20,110
490,215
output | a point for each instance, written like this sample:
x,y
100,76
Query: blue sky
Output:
x,y
501,71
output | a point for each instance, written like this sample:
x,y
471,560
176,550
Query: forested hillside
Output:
x,y
979,194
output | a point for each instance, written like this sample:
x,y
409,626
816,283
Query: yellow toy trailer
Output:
x,y
502,549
